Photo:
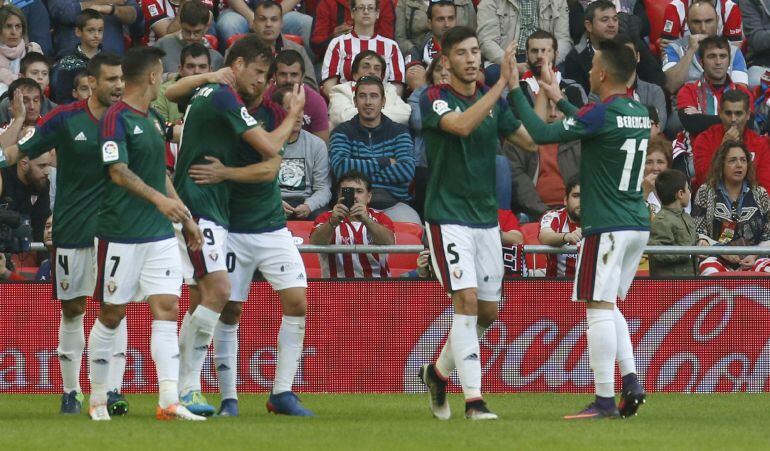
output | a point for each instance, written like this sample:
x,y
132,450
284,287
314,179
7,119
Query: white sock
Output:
x,y
625,352
118,362
290,338
226,359
602,346
72,342
445,363
201,329
100,345
165,353
184,333
466,352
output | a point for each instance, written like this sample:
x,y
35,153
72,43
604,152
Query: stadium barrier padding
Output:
x,y
690,335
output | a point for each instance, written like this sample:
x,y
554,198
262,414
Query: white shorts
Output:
x,y
467,257
607,264
274,254
74,274
129,272
210,258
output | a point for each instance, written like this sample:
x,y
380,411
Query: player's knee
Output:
x,y
111,315
231,314
293,301
466,302
73,308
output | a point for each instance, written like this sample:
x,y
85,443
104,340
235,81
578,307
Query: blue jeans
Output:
x,y
229,24
503,182
300,25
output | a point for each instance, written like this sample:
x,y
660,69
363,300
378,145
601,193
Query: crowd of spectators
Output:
x,y
703,72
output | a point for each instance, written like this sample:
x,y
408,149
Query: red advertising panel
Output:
x,y
698,335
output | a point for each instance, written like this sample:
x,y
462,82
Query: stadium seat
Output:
x,y
655,10
535,262
300,230
212,40
234,38
406,234
295,38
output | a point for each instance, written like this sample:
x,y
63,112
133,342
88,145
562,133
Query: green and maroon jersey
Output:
x,y
214,122
135,138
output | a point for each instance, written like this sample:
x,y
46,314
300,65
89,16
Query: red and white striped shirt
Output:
x,y
561,265
354,265
729,20
343,49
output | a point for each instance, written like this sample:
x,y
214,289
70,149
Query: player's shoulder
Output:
x,y
66,111
439,98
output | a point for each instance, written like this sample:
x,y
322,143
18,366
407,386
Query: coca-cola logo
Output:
x,y
711,339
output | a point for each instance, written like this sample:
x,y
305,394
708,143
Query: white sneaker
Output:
x,y
99,412
176,412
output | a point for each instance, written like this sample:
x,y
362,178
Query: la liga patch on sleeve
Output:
x,y
110,151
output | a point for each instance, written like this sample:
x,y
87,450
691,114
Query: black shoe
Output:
x,y
71,403
116,403
594,412
437,390
478,410
630,400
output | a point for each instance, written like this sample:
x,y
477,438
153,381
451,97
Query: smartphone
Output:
x,y
348,197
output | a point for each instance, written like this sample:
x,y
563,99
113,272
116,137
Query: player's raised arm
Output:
x,y
462,124
9,150
185,86
269,144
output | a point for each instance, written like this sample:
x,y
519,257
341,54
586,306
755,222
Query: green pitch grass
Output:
x,y
365,422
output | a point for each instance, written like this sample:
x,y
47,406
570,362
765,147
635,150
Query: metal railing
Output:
x,y
532,249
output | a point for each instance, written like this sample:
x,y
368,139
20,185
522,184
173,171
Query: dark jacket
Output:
x,y
63,75
355,147
579,61
672,228
756,28
525,168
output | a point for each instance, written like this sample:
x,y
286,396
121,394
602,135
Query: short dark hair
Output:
x,y
23,82
735,95
373,81
32,58
287,57
355,176
280,93
264,4
95,64
79,75
86,15
542,34
353,4
433,3
668,183
626,39
367,54
619,60
598,5
194,50
250,48
571,184
139,60
710,42
193,12
456,35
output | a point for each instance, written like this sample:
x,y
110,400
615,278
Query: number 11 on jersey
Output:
x,y
631,148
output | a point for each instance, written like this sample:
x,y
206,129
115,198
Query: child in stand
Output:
x,y
672,226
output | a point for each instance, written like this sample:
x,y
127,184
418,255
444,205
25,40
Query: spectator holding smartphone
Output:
x,y
352,222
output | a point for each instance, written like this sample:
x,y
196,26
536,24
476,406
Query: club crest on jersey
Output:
x,y
153,10
457,272
64,284
110,151
441,107
668,26
214,256
247,118
112,286
29,134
